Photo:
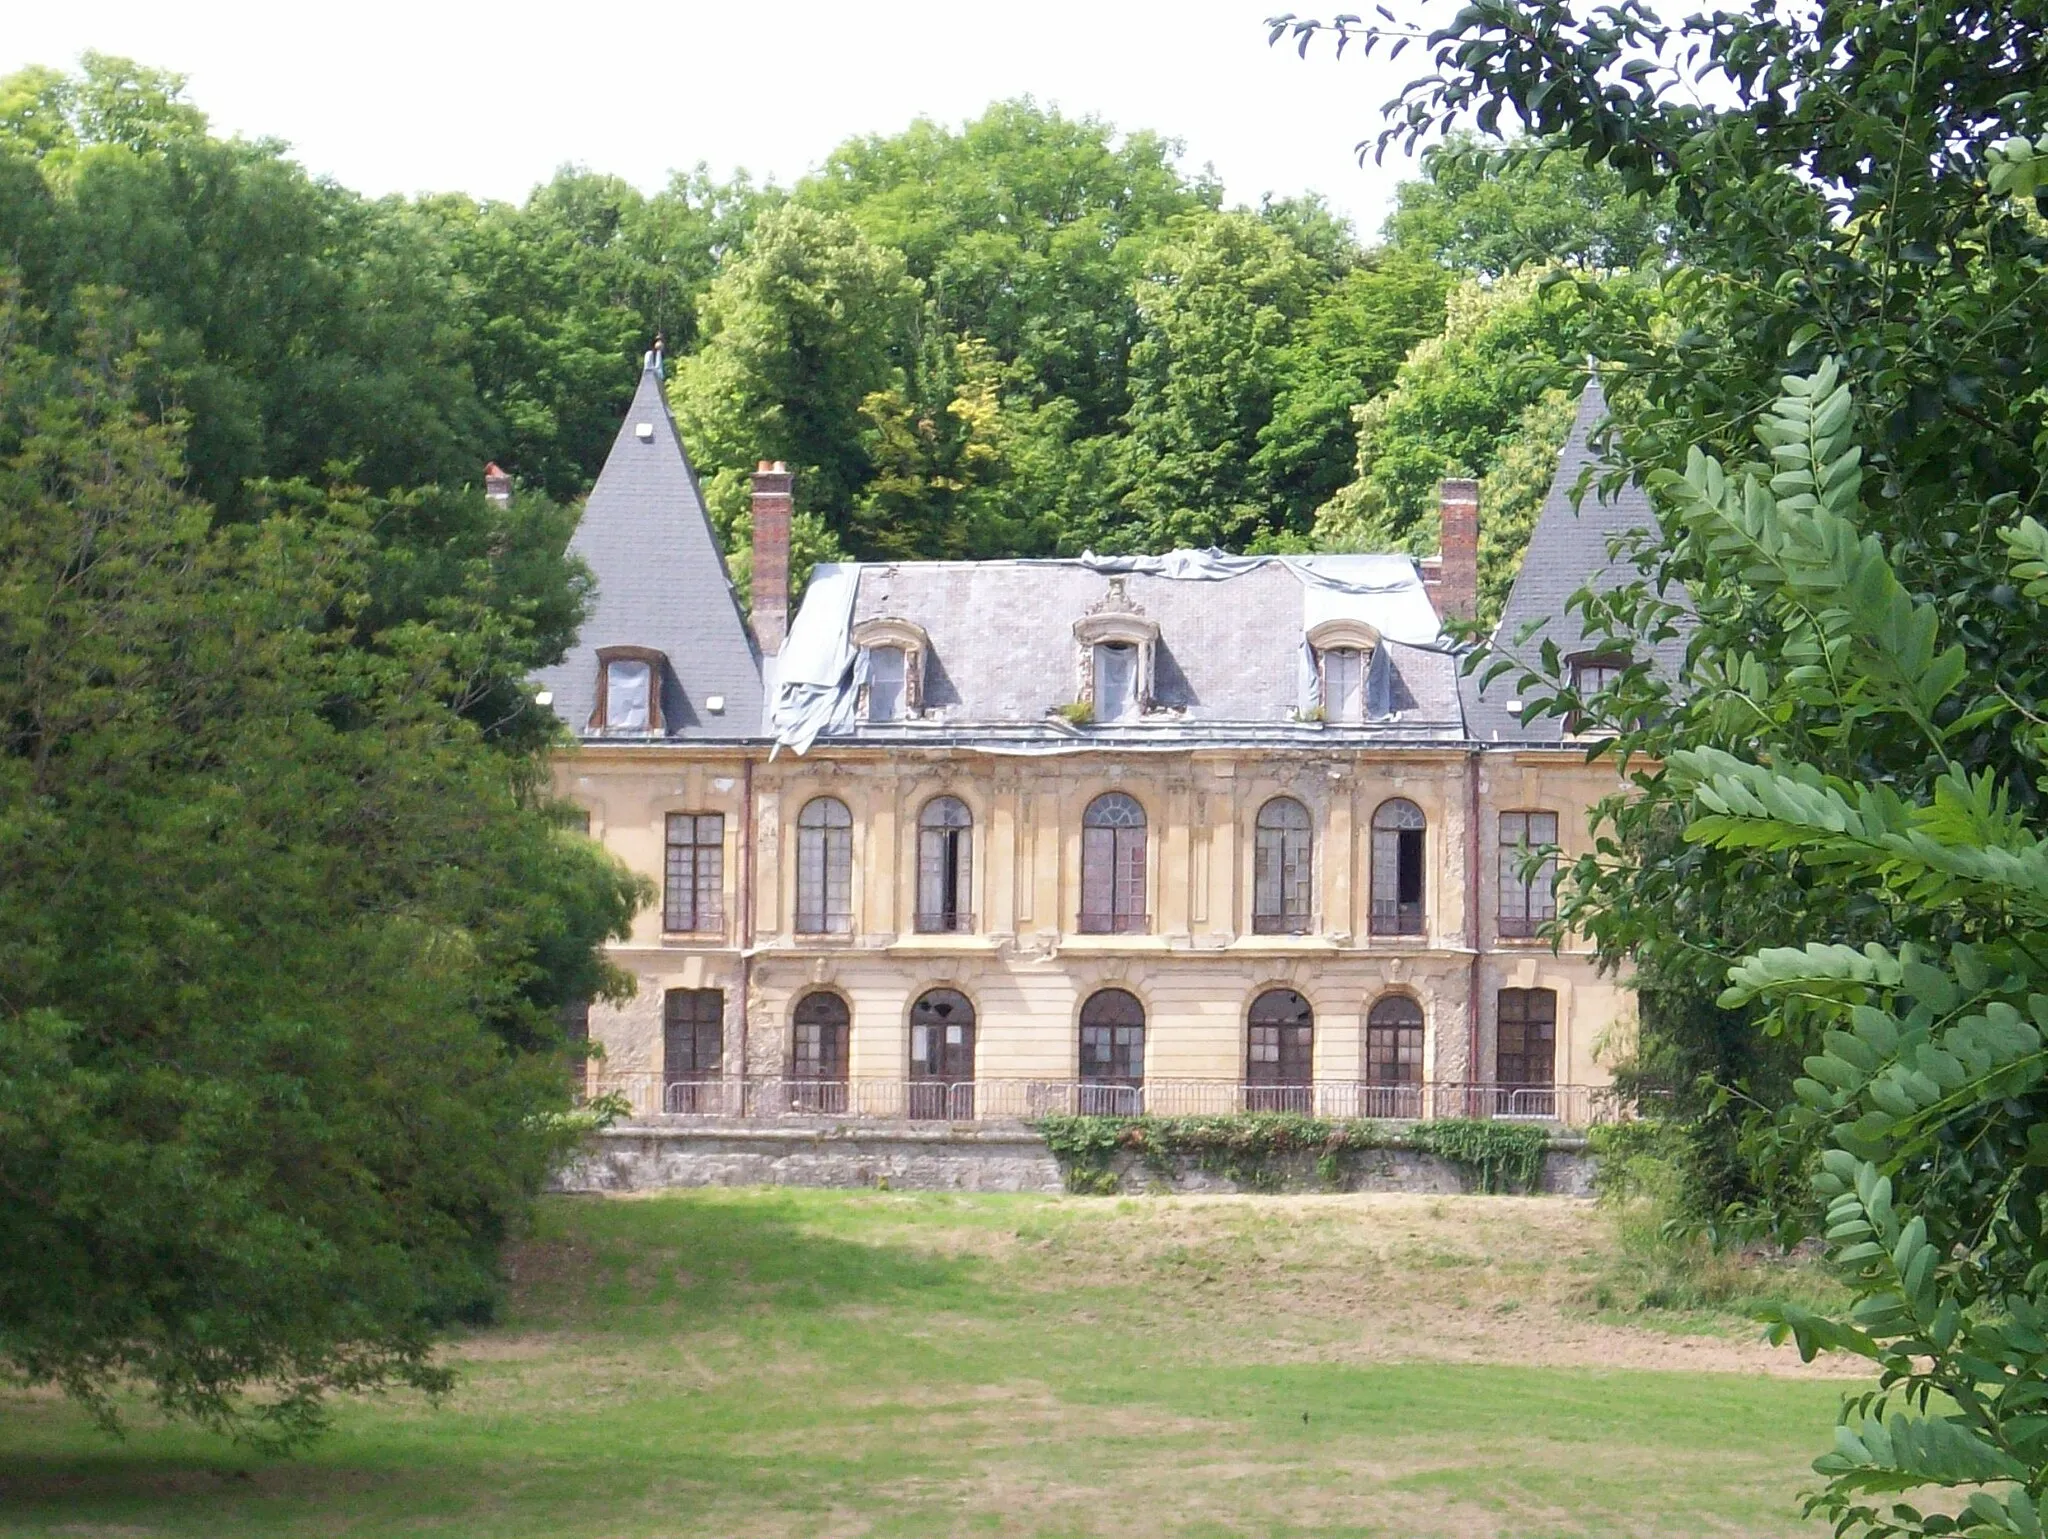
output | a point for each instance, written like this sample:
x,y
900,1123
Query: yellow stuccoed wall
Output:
x,y
1027,971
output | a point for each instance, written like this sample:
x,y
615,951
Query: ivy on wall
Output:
x,y
1260,1152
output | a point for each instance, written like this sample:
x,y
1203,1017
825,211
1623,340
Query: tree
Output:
x,y
1837,186
798,333
1489,211
1927,1092
285,926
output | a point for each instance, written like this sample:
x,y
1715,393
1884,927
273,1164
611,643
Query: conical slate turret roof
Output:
x,y
661,584
1568,550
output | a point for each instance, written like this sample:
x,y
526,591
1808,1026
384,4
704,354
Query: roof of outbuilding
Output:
x,y
661,583
1568,550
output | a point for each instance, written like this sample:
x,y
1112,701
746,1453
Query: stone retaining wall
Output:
x,y
646,1156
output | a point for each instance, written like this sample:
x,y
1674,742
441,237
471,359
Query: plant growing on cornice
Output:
x,y
1075,713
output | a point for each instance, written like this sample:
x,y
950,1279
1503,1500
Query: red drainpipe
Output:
x,y
1473,918
746,904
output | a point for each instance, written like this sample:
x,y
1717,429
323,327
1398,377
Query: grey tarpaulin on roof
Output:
x,y
817,673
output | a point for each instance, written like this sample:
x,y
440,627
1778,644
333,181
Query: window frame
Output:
x,y
1116,1082
1397,848
833,845
1524,1018
945,868
703,919
657,679
1283,869
1529,894
1126,880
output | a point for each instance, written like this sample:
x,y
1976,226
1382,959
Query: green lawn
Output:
x,y
820,1363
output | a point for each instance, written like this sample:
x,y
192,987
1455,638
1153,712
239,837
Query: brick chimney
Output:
x,y
1457,588
497,485
774,502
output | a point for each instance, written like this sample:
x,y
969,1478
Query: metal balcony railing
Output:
x,y
1114,924
945,922
1014,1100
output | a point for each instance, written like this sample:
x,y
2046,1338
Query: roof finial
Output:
x,y
653,358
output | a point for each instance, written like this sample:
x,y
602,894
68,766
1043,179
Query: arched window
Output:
x,y
1393,1057
818,1053
1397,871
942,1055
1281,868
824,868
945,866
1113,867
1112,1053
1279,1048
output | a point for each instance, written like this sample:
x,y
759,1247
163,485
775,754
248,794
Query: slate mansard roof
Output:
x,y
1230,663
661,583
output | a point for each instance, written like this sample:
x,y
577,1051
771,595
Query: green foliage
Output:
x,y
286,922
1501,1156
1254,1151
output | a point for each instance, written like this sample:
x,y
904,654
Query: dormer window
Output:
x,y
1119,647
628,690
1344,652
1592,674
1344,684
885,684
1116,681
892,653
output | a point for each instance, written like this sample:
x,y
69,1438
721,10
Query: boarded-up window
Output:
x,y
1526,1047
945,856
1528,899
1281,869
1397,868
1113,867
694,887
824,868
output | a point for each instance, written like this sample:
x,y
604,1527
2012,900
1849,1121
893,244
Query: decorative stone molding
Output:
x,y
1343,632
1115,620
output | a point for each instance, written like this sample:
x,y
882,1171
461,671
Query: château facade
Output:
x,y
1188,833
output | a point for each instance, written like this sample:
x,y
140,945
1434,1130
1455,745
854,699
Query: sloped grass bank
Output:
x,y
847,1363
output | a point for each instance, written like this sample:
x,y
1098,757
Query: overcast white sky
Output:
x,y
437,95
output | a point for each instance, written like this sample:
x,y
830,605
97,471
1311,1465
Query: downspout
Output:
x,y
746,909
1473,918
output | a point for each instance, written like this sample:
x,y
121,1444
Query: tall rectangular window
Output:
x,y
628,686
692,1049
1116,681
1344,684
694,889
1527,902
1525,1050
824,868
885,683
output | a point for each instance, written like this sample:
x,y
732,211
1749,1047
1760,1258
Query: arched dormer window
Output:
x,y
1119,645
629,683
1344,651
894,651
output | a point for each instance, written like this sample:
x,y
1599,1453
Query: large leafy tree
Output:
x,y
1836,186
285,928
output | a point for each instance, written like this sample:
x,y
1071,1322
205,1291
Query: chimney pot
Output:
x,y
497,485
1457,589
774,505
